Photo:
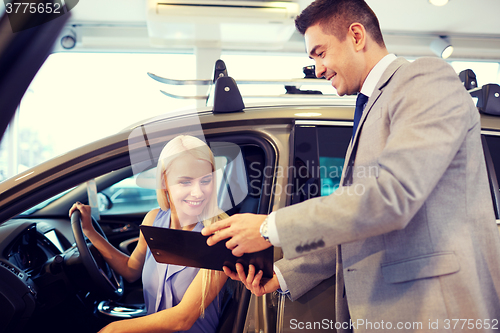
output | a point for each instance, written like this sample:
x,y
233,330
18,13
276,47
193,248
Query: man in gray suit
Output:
x,y
417,241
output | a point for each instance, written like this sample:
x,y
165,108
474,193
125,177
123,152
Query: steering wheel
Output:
x,y
105,279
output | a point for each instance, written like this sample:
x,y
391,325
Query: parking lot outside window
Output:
x,y
319,160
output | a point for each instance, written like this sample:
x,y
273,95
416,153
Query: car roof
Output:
x,y
263,113
341,109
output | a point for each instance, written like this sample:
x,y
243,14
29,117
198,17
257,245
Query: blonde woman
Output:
x,y
178,298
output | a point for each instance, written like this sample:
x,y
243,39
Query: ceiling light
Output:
x,y
68,39
442,47
438,2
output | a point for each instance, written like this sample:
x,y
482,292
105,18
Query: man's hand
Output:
x,y
244,231
253,282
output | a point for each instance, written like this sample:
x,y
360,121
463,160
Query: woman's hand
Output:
x,y
85,211
254,282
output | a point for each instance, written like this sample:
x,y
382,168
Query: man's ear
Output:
x,y
358,35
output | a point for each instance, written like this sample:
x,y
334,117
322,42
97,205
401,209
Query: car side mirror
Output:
x,y
104,202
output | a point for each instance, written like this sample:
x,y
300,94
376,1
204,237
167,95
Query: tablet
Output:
x,y
190,248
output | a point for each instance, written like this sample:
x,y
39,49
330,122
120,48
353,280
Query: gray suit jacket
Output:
x,y
417,228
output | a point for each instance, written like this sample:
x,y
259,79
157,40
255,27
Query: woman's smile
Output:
x,y
194,203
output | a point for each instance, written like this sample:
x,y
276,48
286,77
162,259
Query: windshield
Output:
x,y
44,203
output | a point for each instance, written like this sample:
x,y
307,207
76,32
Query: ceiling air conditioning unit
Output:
x,y
224,24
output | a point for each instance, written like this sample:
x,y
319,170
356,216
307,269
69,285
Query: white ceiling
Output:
x,y
473,26
471,17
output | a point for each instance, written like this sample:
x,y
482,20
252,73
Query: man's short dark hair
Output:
x,y
335,17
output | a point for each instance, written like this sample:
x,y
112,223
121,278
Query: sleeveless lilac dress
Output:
x,y
164,285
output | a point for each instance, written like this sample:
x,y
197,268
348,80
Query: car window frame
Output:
x,y
491,170
320,296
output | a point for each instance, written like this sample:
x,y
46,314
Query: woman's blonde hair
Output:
x,y
178,146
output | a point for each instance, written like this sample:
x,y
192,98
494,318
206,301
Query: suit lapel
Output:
x,y
351,151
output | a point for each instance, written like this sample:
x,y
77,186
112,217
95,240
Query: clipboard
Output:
x,y
188,248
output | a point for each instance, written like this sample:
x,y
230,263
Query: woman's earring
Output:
x,y
168,198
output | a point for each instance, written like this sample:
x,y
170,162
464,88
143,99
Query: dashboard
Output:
x,y
31,250
30,268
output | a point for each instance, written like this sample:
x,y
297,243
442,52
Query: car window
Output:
x,y
126,197
45,203
319,156
492,146
332,147
239,180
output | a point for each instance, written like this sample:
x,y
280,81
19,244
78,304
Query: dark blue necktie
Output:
x,y
360,106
